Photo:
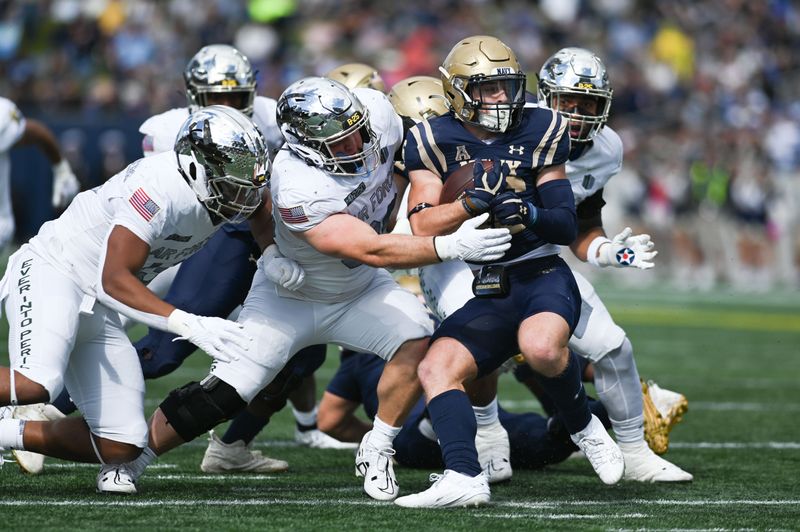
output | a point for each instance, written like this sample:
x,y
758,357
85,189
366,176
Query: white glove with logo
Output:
x,y
473,244
280,270
65,184
222,339
624,251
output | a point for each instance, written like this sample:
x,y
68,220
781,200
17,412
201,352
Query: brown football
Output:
x,y
460,180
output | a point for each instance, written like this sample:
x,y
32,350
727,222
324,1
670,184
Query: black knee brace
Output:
x,y
198,407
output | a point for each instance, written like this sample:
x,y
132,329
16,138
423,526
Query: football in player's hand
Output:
x,y
461,179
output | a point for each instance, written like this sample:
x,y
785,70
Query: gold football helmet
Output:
x,y
419,98
355,75
484,83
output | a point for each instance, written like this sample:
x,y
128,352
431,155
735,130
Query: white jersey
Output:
x,y
12,126
161,130
591,171
303,196
151,199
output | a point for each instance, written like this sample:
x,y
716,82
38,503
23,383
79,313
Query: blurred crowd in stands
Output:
x,y
705,92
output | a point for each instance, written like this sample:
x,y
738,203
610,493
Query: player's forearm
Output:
x,y
261,225
580,246
398,251
556,221
127,295
37,133
438,220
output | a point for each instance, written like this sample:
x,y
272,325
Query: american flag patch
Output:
x,y
293,215
143,204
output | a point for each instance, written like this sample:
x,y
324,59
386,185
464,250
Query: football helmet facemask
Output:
x,y
567,79
419,98
484,83
355,75
315,114
222,155
220,74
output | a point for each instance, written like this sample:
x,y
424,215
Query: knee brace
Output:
x,y
198,407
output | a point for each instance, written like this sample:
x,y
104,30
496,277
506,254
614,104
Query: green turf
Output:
x,y
735,358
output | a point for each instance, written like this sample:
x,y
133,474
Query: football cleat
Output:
x,y
237,457
316,439
28,462
671,405
449,490
663,409
115,479
643,465
494,452
601,451
375,465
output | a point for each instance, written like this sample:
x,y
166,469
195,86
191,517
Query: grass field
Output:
x,y
736,357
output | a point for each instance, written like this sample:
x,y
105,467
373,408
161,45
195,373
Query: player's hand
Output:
x,y
487,184
282,271
65,184
473,244
222,339
509,209
625,250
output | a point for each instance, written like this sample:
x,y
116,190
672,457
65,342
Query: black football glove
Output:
x,y
509,209
487,184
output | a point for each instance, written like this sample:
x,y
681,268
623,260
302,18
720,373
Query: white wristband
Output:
x,y
594,247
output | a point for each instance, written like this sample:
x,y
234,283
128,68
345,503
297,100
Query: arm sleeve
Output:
x,y
589,211
556,221
12,124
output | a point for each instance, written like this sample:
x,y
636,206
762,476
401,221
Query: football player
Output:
x,y
216,74
575,82
333,191
531,303
536,441
16,130
65,289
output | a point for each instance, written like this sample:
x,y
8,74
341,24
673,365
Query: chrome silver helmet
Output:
x,y
419,98
354,75
222,155
315,114
576,72
221,70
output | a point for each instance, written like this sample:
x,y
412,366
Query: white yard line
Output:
x,y
350,502
693,405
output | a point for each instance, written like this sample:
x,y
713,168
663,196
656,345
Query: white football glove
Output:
x,y
625,251
65,184
280,270
222,339
473,244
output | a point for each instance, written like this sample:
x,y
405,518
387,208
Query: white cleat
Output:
x,y
116,479
643,465
28,462
237,457
494,452
601,450
449,490
375,465
316,439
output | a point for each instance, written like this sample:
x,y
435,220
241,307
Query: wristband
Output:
x,y
418,208
594,247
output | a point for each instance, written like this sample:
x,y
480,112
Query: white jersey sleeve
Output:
x,y
161,130
12,124
265,117
591,171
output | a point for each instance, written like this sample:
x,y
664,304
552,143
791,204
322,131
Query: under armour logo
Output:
x,y
518,150
462,154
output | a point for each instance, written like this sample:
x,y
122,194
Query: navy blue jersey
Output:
x,y
443,144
